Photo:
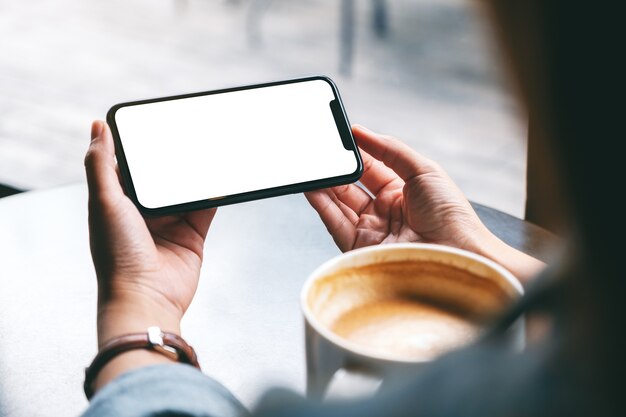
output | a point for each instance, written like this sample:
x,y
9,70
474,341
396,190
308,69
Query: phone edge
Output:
x,y
129,188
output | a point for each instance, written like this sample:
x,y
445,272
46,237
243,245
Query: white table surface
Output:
x,y
245,321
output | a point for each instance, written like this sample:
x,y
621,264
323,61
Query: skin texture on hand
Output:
x,y
412,200
147,269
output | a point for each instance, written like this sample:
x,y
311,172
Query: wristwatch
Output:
x,y
168,344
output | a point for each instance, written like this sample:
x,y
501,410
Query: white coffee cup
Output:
x,y
357,282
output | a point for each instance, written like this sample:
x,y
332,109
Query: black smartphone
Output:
x,y
221,147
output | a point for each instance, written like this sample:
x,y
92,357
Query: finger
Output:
x,y
396,155
353,197
377,176
336,222
347,211
201,220
100,167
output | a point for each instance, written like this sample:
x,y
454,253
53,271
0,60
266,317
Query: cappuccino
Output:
x,y
375,313
410,310
405,328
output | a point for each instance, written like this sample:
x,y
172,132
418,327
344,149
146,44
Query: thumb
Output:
x,y
100,164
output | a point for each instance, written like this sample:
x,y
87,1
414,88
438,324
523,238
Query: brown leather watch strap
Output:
x,y
168,344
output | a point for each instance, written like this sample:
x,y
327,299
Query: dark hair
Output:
x,y
564,55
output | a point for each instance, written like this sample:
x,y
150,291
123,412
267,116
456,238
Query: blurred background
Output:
x,y
426,71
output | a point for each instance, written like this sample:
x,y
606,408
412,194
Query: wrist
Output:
x,y
523,266
123,317
117,318
136,350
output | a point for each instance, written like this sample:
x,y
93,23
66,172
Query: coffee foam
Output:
x,y
413,309
406,329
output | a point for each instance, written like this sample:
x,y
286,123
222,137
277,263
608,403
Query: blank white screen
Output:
x,y
218,145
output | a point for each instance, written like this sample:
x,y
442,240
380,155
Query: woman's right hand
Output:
x,y
412,200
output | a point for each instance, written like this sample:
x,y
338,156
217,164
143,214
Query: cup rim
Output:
x,y
355,348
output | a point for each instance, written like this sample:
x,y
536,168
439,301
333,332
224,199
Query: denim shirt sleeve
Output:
x,y
164,390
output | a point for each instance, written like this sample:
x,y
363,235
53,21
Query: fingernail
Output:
x,y
96,129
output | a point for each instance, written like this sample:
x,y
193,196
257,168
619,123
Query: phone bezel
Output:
x,y
344,131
